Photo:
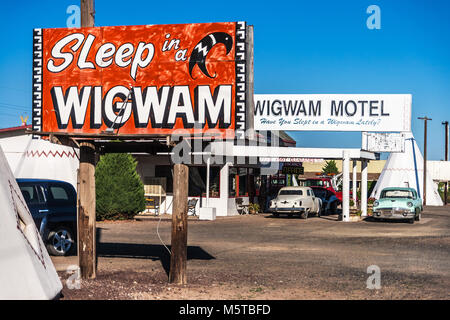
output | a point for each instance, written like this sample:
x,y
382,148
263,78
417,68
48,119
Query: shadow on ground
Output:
x,y
148,251
332,217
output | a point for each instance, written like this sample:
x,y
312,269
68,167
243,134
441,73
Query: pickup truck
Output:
x,y
52,205
331,185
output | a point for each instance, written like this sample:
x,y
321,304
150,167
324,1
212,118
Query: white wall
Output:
x,y
228,209
439,170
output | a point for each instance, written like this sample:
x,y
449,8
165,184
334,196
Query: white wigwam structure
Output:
x,y
405,169
26,270
38,158
45,160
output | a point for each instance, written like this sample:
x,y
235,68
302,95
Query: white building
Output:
x,y
38,158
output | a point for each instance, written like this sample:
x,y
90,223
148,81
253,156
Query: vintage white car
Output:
x,y
296,200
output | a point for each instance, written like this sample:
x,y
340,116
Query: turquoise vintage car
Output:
x,y
398,203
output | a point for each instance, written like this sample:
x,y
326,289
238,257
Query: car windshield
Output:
x,y
397,194
291,193
314,183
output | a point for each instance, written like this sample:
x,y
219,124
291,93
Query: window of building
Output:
x,y
165,172
214,182
238,182
232,185
243,181
197,180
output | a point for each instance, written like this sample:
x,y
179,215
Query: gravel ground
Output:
x,y
262,257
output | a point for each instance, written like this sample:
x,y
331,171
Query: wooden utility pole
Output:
x,y
86,178
425,160
178,256
445,123
87,13
86,212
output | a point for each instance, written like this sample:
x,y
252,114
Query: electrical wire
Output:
x,y
17,89
12,113
15,106
157,232
160,218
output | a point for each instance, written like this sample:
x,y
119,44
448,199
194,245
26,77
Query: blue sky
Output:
x,y
300,47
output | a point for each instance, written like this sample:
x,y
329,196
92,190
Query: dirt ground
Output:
x,y
261,257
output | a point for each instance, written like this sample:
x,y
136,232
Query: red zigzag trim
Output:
x,y
39,154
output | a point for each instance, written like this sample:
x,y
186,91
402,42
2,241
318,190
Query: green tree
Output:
x,y
119,189
330,167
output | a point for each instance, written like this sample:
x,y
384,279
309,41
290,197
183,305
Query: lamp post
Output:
x,y
445,123
425,160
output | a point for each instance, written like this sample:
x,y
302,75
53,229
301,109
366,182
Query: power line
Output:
x,y
14,105
14,110
9,88
13,113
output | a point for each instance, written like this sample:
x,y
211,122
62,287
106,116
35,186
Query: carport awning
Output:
x,y
229,149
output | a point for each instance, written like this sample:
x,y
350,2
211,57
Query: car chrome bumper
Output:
x,y
288,210
394,213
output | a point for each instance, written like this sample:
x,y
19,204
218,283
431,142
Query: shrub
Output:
x,y
119,189
253,208
330,167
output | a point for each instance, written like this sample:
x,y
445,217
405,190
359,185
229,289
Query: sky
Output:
x,y
314,47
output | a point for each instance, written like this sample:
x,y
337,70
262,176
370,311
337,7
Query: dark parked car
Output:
x,y
329,199
52,204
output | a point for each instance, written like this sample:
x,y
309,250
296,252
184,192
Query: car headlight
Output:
x,y
376,203
410,204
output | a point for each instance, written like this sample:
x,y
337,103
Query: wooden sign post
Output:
x,y
177,274
86,197
86,212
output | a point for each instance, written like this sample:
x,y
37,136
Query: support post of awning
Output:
x,y
346,187
364,188
208,164
354,183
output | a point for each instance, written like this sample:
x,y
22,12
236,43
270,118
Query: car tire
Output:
x,y
276,215
319,211
333,207
60,241
418,216
304,215
411,221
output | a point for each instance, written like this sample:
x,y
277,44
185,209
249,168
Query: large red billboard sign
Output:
x,y
139,79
